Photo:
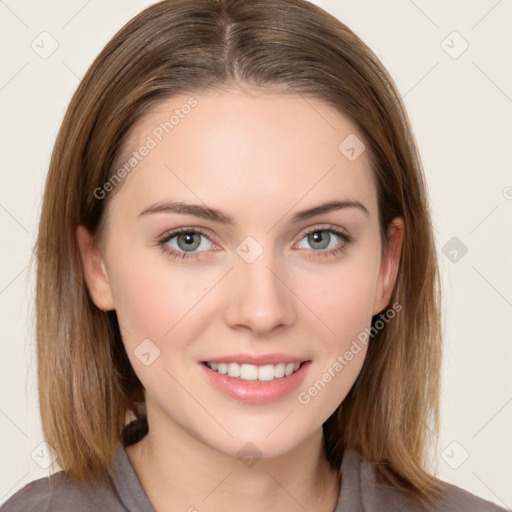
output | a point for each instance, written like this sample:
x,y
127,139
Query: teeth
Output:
x,y
248,372
233,370
266,372
279,370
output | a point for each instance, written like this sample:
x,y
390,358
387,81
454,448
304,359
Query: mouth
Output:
x,y
256,379
252,372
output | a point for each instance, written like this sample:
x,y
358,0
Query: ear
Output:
x,y
95,272
389,266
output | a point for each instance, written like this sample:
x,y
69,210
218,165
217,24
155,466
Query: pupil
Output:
x,y
319,237
187,239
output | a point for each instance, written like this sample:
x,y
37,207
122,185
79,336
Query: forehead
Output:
x,y
235,148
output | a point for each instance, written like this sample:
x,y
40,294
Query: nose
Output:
x,y
259,297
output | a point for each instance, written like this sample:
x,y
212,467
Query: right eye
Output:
x,y
182,243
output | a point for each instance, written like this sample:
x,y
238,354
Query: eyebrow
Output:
x,y
215,215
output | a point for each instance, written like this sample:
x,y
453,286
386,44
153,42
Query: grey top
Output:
x,y
360,492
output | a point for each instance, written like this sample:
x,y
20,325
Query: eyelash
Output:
x,y
346,240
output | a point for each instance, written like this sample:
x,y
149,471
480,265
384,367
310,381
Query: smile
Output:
x,y
251,372
256,379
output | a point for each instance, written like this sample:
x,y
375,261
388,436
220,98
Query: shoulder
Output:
x,y
58,493
372,492
460,499
452,499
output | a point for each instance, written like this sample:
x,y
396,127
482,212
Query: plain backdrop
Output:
x,y
451,61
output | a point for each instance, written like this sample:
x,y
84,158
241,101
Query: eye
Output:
x,y
326,241
184,243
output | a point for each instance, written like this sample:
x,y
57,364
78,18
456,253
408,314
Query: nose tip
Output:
x,y
259,299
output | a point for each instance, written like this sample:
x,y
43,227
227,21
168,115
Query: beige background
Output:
x,y
460,104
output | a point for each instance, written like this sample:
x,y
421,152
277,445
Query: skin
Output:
x,y
259,158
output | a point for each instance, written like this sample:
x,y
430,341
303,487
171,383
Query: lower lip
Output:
x,y
255,391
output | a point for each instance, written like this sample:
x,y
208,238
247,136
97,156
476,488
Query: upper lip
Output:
x,y
257,359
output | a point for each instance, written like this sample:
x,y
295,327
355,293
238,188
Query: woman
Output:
x,y
238,303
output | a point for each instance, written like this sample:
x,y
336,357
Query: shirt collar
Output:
x,y
357,481
127,483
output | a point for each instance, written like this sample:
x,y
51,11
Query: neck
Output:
x,y
179,472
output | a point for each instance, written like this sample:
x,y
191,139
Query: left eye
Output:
x,y
187,241
324,239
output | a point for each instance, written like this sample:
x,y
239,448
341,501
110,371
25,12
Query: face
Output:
x,y
219,255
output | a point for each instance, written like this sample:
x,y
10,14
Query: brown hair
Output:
x,y
86,384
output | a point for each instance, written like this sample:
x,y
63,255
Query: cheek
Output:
x,y
152,301
159,312
343,311
342,301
